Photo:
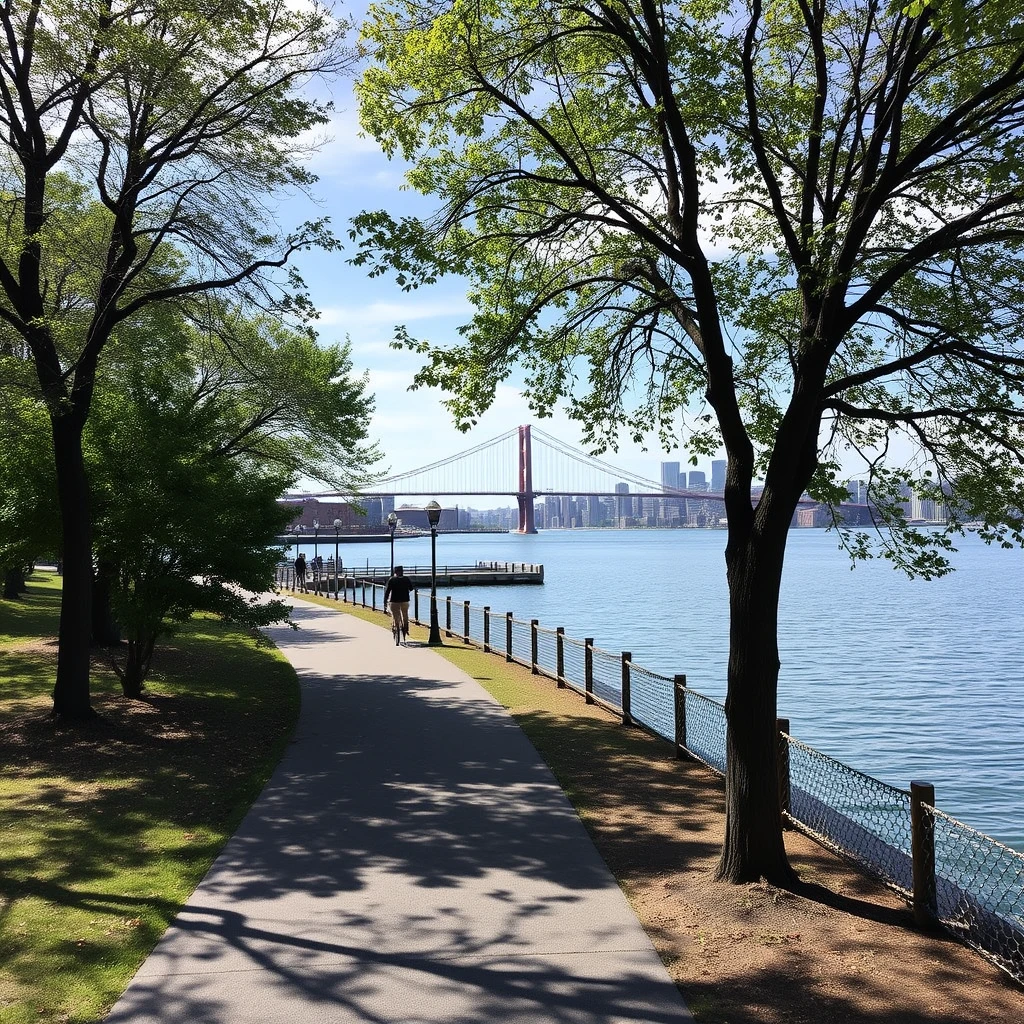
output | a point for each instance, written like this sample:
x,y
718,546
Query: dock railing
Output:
x,y
950,874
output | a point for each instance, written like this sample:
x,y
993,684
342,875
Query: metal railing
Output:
x,y
969,883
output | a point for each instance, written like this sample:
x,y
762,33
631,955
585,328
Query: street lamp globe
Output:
x,y
433,513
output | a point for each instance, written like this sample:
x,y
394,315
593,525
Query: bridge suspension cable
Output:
x,y
594,464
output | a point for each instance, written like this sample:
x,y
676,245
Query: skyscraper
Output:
x,y
718,475
698,480
624,506
670,475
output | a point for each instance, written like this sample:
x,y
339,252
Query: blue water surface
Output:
x,y
902,679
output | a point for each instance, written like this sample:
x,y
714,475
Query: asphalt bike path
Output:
x,y
411,860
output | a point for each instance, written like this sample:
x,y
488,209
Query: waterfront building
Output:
x,y
624,506
552,507
567,512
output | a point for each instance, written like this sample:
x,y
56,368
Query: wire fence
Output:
x,y
950,873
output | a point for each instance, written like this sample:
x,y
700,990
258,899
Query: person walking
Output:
x,y
300,572
397,593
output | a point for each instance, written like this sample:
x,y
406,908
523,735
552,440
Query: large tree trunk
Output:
x,y
105,629
71,690
136,666
753,847
14,584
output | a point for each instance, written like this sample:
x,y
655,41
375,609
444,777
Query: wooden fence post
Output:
x,y
679,700
560,656
508,636
533,645
487,629
782,726
588,669
922,846
627,690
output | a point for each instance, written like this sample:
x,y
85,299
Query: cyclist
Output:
x,y
397,592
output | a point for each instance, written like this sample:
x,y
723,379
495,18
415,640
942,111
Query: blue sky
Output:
x,y
412,428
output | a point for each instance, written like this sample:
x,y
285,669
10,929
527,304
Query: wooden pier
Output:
x,y
482,574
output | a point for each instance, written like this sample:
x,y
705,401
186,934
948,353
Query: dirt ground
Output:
x,y
841,949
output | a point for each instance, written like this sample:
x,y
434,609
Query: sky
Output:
x,y
411,428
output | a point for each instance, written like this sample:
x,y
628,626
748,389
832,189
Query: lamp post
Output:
x,y
392,523
316,533
337,530
433,517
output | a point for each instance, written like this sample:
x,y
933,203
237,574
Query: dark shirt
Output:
x,y
398,589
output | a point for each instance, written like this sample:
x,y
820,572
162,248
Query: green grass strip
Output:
x,y
106,828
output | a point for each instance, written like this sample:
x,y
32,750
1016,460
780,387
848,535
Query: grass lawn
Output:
x,y
108,827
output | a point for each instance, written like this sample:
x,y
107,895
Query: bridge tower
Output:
x,y
526,493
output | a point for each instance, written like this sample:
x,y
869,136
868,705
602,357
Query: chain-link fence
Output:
x,y
854,814
969,882
977,890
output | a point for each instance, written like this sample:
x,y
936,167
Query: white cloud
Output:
x,y
387,314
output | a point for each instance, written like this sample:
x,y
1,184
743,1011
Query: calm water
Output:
x,y
899,678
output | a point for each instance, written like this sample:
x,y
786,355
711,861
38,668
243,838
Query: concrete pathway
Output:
x,y
412,860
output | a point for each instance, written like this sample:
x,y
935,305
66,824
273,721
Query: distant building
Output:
x,y
718,475
670,475
624,506
698,481
814,515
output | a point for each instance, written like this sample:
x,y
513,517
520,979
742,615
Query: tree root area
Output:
x,y
838,947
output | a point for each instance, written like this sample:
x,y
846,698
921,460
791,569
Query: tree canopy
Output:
x,y
792,226
145,150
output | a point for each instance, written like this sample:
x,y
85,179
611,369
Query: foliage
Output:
x,y
793,227
224,420
146,149
679,207
28,524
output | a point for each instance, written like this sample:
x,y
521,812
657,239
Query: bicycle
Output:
x,y
396,629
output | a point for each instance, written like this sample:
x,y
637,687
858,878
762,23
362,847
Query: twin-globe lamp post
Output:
x,y
433,517
337,530
392,523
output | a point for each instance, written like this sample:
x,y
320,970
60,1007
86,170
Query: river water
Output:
x,y
901,679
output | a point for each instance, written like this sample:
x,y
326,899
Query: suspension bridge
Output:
x,y
524,463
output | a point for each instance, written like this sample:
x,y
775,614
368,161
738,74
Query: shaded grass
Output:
x,y
108,826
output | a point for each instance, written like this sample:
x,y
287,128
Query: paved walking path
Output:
x,y
411,860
